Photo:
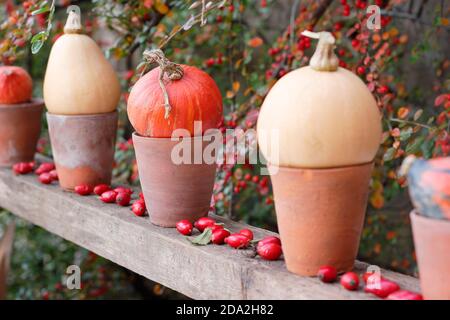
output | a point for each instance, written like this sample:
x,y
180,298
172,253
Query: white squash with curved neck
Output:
x,y
79,80
325,116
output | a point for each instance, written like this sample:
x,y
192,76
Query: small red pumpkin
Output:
x,y
16,85
193,97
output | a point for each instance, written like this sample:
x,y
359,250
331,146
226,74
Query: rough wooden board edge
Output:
x,y
162,254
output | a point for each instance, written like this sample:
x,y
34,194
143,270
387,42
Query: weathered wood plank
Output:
x,y
163,255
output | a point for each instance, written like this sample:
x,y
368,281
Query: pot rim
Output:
x,y
330,169
414,214
82,116
138,136
34,102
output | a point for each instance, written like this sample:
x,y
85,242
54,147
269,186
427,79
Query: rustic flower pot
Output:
x,y
432,244
320,215
173,192
20,126
83,147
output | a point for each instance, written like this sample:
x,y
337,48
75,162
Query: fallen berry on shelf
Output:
x,y
203,223
381,288
138,208
123,199
404,295
269,251
101,188
237,241
45,178
109,196
184,227
45,167
218,236
350,281
83,190
248,233
22,168
327,274
270,239
123,190
54,175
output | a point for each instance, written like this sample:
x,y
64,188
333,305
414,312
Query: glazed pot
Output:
x,y
172,191
432,244
320,214
20,127
83,147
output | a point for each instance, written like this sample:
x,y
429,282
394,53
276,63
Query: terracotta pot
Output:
x,y
320,215
432,243
20,127
173,192
83,147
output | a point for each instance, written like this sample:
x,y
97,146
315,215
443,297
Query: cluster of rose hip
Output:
x,y
119,195
211,231
374,284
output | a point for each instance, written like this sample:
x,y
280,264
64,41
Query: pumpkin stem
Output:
x,y
73,23
324,58
172,70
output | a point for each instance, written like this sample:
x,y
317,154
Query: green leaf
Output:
x,y
415,145
389,155
406,134
38,41
203,239
40,11
418,114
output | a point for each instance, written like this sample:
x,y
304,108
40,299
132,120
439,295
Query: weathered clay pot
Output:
x,y
83,147
432,243
20,126
173,192
320,215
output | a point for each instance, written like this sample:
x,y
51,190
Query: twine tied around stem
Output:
x,y
172,70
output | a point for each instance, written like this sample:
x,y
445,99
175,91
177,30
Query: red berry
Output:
x,y
218,236
269,251
248,233
216,227
101,188
248,177
383,89
54,175
22,168
268,240
404,295
123,199
109,196
141,195
184,227
361,70
123,190
45,167
255,179
382,288
83,190
203,223
350,281
327,274
138,208
45,178
237,241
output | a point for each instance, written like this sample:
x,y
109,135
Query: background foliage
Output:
x,y
246,46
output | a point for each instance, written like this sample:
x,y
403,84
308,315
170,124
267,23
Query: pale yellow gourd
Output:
x,y
319,116
79,80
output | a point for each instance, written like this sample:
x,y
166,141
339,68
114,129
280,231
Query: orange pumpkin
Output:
x,y
16,85
194,97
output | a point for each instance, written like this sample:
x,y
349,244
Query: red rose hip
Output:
x,y
22,168
327,274
248,233
269,239
237,241
108,196
184,227
203,223
138,208
123,199
269,251
101,188
218,236
45,178
83,190
45,167
350,281
404,295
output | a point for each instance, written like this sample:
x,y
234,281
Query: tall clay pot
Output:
x,y
173,192
320,215
432,244
83,147
20,127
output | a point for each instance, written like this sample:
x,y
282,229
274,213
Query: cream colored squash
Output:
x,y
79,80
322,116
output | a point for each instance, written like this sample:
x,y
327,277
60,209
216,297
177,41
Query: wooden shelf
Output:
x,y
163,255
